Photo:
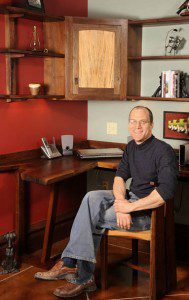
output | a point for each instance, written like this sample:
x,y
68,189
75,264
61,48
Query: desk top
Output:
x,y
45,172
50,171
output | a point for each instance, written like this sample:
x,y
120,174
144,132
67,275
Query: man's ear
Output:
x,y
152,125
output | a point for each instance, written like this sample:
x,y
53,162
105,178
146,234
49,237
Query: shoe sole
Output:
x,y
88,289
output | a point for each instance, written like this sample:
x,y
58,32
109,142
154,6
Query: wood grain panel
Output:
x,y
54,36
54,68
96,58
54,76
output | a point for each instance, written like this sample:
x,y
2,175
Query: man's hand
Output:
x,y
122,206
124,220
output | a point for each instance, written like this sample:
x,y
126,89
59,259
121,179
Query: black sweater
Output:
x,y
151,165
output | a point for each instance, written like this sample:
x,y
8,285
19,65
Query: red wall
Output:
x,y
24,123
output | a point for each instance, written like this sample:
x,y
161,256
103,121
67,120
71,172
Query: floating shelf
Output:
x,y
164,57
30,53
18,12
168,20
156,98
25,97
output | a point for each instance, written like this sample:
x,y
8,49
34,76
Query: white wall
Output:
x,y
101,112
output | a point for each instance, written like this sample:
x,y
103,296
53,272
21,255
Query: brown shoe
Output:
x,y
69,289
59,271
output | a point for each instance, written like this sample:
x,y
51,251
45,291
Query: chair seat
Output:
x,y
141,235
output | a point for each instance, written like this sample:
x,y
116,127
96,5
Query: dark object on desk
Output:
x,y
184,155
185,5
9,264
99,153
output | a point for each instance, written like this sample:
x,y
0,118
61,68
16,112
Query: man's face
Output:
x,y
139,125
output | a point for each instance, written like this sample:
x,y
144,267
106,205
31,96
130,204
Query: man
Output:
x,y
152,166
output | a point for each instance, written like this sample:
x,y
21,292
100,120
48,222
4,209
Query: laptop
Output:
x,y
99,153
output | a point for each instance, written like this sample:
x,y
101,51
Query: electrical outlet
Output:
x,y
111,128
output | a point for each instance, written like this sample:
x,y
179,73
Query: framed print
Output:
x,y
35,4
176,125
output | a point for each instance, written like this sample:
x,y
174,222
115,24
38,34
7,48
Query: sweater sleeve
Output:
x,y
167,173
123,170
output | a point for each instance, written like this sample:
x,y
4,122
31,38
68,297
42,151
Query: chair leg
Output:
x,y
171,277
104,261
135,257
157,256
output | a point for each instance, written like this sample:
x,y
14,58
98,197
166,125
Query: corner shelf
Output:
x,y
147,98
160,57
17,52
135,56
169,20
26,97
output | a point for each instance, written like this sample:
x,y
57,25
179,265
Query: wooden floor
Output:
x,y
23,286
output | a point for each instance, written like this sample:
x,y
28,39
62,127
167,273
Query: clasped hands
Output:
x,y
123,209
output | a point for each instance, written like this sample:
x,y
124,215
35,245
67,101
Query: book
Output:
x,y
170,84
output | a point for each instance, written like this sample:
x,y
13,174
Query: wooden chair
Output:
x,y
162,254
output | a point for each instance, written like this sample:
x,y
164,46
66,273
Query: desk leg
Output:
x,y
20,214
49,229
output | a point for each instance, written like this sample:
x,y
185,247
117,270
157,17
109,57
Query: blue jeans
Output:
x,y
96,213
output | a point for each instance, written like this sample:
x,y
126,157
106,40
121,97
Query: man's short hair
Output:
x,y
143,107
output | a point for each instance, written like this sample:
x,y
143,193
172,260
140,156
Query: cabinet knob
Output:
x,y
76,80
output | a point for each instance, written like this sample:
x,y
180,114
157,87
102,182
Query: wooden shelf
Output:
x,y
17,12
25,97
164,57
133,98
16,52
168,20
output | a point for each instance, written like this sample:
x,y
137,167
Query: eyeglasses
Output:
x,y
141,122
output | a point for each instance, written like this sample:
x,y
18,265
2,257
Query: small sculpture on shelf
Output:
x,y
184,85
185,5
35,42
173,42
157,92
9,264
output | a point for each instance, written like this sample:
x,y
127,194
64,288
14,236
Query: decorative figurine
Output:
x,y
9,264
157,92
35,42
173,42
184,85
185,5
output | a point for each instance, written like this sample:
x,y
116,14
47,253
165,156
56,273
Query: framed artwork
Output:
x,y
36,5
176,125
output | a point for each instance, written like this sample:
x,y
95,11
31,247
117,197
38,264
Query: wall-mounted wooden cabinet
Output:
x,y
96,58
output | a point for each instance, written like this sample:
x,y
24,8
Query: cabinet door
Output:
x,y
96,58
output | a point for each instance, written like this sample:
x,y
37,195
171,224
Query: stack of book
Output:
x,y
170,87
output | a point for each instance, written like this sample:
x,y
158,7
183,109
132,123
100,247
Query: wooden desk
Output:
x,y
51,172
